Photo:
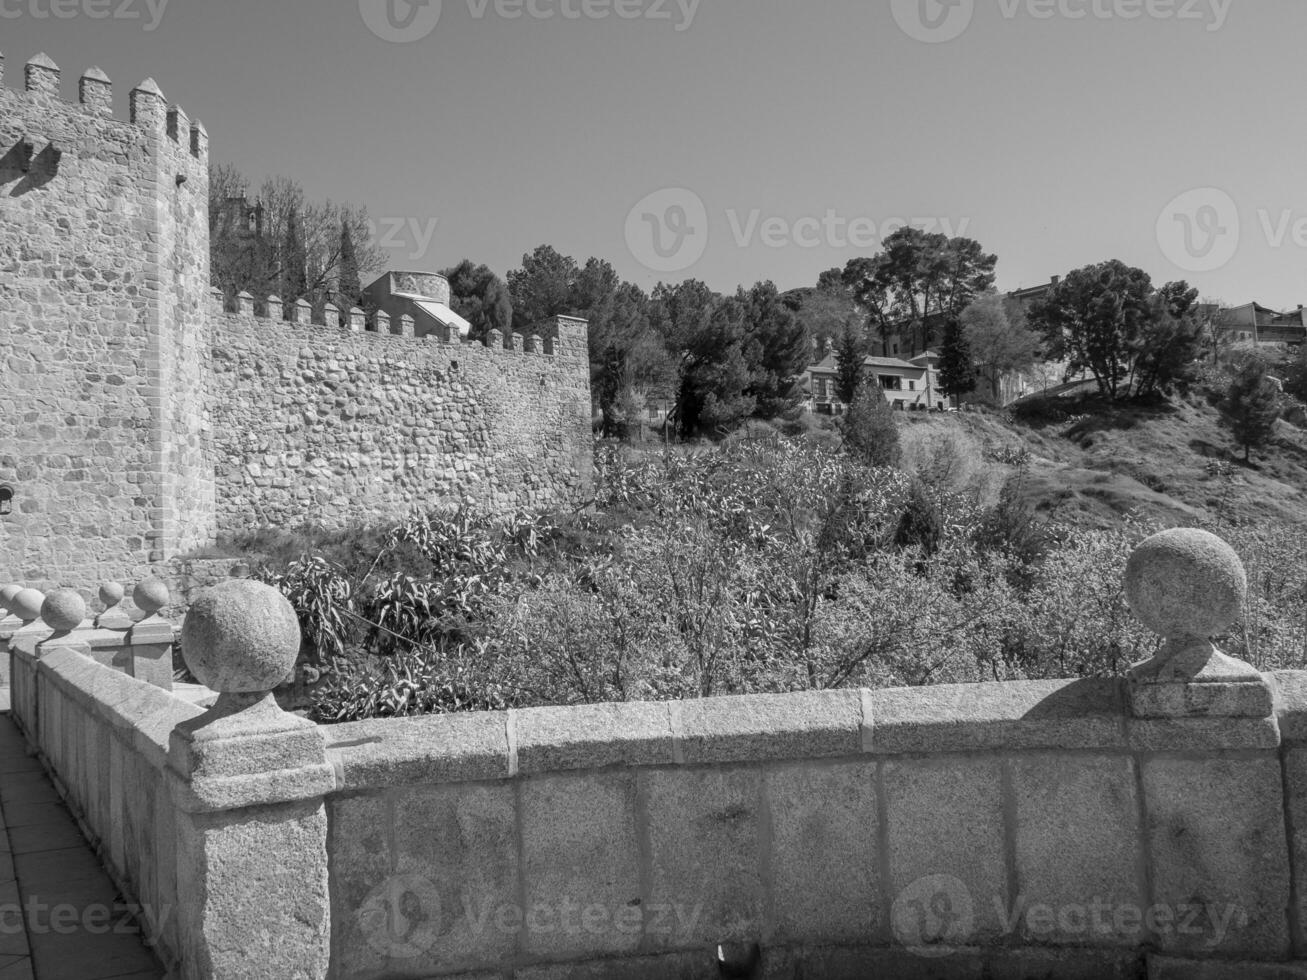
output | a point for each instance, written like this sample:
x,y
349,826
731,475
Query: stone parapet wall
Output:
x,y
1018,824
336,426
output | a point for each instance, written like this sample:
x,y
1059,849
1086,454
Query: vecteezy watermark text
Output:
x,y
65,918
940,21
149,11
405,21
413,234
404,917
668,230
936,914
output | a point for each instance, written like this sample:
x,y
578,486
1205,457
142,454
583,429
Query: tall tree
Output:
x,y
850,359
481,298
1093,317
248,238
957,371
865,281
542,288
1252,405
294,263
715,373
350,288
931,278
777,351
1169,342
1001,341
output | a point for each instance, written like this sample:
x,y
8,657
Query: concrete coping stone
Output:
x,y
145,715
1016,715
1289,688
1033,715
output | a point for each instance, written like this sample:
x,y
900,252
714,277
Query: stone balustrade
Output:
x,y
139,645
1149,825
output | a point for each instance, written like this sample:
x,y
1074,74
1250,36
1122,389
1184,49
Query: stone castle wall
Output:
x,y
138,420
323,423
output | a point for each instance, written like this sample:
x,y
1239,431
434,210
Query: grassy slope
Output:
x,y
1106,461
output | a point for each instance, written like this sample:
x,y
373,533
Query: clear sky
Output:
x,y
1056,132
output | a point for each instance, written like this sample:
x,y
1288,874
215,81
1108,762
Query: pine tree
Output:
x,y
1253,405
294,264
350,287
957,370
850,356
871,433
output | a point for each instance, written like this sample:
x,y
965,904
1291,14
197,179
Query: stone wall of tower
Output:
x,y
103,271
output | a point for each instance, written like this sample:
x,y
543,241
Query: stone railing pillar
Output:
x,y
114,616
149,642
249,781
1208,742
1188,586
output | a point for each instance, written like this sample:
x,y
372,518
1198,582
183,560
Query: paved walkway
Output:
x,y
60,916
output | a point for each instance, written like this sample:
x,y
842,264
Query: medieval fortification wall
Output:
x,y
140,419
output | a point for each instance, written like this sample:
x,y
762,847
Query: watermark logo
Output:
x,y
400,918
940,21
1199,231
933,21
933,914
148,11
412,236
405,21
832,230
668,230
401,21
36,917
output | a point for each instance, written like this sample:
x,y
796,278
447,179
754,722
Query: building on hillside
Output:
x,y
422,295
911,385
1253,323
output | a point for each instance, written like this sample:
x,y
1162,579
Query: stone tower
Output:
x,y
104,274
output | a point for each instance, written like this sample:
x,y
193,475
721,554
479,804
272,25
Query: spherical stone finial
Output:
x,y
150,596
1186,584
111,593
7,596
27,605
241,637
63,610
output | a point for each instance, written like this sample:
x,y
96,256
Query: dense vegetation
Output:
x,y
764,565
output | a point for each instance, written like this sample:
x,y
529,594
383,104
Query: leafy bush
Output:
x,y
764,565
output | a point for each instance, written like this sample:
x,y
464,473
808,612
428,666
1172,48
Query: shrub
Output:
x,y
871,433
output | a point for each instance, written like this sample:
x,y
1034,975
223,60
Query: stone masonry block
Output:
x,y
1291,704
1203,734
593,736
1218,855
825,863
760,727
359,831
704,856
1018,715
1078,854
945,834
1295,789
437,749
254,892
456,852
581,864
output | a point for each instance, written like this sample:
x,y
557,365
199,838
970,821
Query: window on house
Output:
x,y
891,383
823,388
912,386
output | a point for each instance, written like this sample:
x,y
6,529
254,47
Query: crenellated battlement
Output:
x,y
147,109
273,313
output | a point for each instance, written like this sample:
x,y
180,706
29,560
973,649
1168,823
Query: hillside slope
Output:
x,y
1091,463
